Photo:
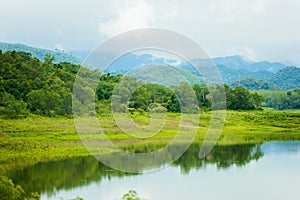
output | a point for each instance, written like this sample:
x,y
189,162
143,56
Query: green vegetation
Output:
x,y
254,84
131,195
28,85
34,139
68,173
31,88
10,191
241,99
36,124
284,79
230,75
287,78
280,99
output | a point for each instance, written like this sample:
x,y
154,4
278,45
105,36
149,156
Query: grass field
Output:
x,y
35,139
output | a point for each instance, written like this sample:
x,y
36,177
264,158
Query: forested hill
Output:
x,y
235,70
28,85
39,53
287,78
254,84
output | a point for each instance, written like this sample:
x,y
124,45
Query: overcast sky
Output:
x,y
259,29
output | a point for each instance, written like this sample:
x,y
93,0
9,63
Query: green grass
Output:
x,y
35,139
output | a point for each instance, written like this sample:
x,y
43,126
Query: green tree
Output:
x,y
10,107
49,59
44,102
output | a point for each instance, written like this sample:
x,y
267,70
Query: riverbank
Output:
x,y
38,139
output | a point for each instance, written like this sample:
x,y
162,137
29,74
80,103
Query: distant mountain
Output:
x,y
287,78
233,69
230,75
130,61
263,75
164,75
40,53
238,62
233,62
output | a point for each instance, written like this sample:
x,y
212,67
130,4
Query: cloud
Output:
x,y
2,33
235,10
59,46
250,53
271,28
132,15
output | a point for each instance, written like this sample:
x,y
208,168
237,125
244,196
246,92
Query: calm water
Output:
x,y
268,171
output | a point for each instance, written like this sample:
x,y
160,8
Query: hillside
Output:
x,y
233,69
30,86
254,84
157,74
238,62
231,75
27,84
40,53
287,78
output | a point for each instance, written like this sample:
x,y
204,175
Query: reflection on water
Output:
x,y
75,172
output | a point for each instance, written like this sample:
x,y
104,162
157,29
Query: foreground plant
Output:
x,y
131,195
10,191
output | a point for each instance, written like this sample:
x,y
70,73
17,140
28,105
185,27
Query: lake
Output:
x,y
267,171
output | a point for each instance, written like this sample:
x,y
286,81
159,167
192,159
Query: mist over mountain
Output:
x,y
241,62
235,70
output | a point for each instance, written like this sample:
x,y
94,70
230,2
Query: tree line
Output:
x,y
281,99
30,86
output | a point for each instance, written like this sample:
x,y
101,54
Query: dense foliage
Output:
x,y
10,191
241,99
254,84
28,85
287,78
230,75
281,99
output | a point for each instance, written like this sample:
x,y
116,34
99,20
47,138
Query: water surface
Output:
x,y
268,171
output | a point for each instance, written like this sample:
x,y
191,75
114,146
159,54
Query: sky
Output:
x,y
258,29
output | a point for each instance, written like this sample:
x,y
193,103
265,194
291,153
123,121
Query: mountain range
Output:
x,y
60,56
235,70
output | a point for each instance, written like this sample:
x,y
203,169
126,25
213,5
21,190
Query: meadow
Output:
x,y
39,139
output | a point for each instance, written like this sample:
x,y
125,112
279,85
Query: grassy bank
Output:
x,y
35,139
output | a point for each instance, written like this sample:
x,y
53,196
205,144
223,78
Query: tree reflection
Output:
x,y
74,172
222,156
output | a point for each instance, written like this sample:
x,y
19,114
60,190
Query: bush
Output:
x,y
10,191
10,107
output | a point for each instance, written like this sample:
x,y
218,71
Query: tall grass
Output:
x,y
31,140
